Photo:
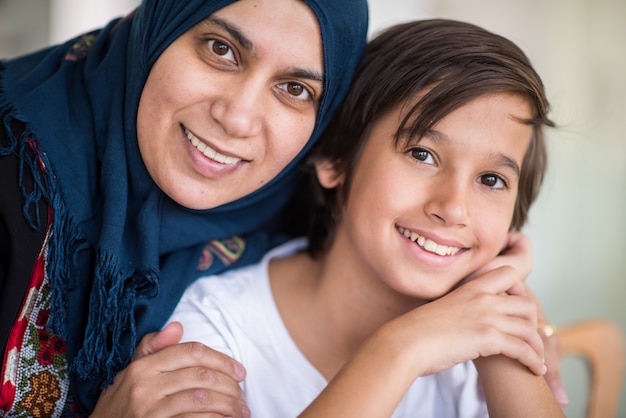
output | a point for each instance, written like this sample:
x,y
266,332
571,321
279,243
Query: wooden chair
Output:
x,y
600,343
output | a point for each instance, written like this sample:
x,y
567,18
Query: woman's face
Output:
x,y
231,102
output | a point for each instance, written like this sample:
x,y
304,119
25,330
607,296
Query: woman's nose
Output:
x,y
238,109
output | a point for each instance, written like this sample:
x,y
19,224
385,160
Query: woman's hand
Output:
x,y
553,356
517,253
168,379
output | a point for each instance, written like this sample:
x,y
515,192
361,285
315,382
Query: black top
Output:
x,y
19,243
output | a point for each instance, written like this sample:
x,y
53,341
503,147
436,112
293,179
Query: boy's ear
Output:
x,y
327,174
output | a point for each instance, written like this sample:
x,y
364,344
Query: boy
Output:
x,y
408,291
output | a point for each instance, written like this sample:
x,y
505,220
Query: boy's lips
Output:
x,y
210,152
428,244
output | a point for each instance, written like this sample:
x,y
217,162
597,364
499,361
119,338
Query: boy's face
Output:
x,y
422,216
231,102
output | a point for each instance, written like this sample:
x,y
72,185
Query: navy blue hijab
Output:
x,y
121,252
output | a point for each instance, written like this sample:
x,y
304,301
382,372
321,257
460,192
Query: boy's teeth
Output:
x,y
210,152
427,244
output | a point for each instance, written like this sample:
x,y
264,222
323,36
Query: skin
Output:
x,y
243,91
367,298
163,380
235,85
434,189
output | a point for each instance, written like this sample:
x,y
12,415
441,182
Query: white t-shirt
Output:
x,y
235,313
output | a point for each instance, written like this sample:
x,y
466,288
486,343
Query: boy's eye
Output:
x,y
493,181
221,49
420,154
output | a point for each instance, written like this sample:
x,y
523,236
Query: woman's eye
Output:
x,y
422,155
493,181
296,90
221,49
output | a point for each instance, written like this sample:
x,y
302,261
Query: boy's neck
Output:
x,y
328,309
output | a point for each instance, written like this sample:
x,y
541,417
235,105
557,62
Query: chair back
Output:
x,y
600,343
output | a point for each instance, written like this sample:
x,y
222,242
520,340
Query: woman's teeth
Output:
x,y
427,244
210,152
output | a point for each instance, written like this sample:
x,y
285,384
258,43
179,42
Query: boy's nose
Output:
x,y
449,202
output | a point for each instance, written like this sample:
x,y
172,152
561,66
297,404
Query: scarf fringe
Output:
x,y
65,243
64,237
29,159
113,296
111,316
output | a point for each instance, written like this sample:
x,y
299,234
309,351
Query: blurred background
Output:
x,y
578,226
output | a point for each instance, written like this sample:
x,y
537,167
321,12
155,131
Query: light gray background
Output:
x,y
578,226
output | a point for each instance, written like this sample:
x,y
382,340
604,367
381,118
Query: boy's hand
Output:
x,y
490,315
517,253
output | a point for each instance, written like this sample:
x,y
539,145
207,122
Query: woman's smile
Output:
x,y
209,152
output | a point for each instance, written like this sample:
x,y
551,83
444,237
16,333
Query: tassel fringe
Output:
x,y
113,295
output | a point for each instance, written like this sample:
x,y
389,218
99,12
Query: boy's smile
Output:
x,y
428,244
424,214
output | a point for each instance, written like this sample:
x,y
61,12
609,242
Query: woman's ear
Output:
x,y
327,174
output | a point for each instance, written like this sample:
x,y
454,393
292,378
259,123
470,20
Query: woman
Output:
x,y
126,151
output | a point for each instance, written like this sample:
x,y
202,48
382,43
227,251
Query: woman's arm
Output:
x,y
552,352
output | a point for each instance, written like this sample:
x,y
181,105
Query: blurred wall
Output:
x,y
578,226
70,17
24,26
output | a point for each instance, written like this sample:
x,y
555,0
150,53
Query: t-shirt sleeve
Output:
x,y
460,386
201,315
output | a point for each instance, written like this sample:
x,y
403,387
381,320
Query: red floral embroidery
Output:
x,y
42,318
34,372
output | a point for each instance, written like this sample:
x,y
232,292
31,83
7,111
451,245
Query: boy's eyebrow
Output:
x,y
248,45
508,162
499,158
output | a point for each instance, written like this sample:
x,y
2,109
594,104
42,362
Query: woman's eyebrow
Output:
x,y
310,75
248,45
232,30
